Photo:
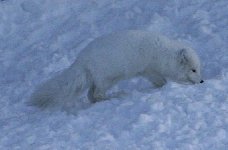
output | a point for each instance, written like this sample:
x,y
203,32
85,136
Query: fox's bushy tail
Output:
x,y
60,89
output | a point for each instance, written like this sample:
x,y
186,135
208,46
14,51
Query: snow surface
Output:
x,y
40,38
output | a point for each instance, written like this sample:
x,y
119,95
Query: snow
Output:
x,y
40,38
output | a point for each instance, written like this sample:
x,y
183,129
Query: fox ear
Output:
x,y
183,56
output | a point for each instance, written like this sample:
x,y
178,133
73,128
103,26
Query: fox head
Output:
x,y
188,66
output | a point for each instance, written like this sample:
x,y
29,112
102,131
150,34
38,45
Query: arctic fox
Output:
x,y
117,56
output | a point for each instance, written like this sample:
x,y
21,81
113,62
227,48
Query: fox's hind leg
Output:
x,y
97,91
96,94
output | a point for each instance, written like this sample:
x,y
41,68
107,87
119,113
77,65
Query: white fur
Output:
x,y
118,56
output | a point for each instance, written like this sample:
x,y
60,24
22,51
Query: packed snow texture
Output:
x,y
40,38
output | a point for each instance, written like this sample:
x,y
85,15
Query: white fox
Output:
x,y
117,56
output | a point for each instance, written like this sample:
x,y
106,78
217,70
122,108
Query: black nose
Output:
x,y
201,81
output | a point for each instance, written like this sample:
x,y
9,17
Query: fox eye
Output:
x,y
193,70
